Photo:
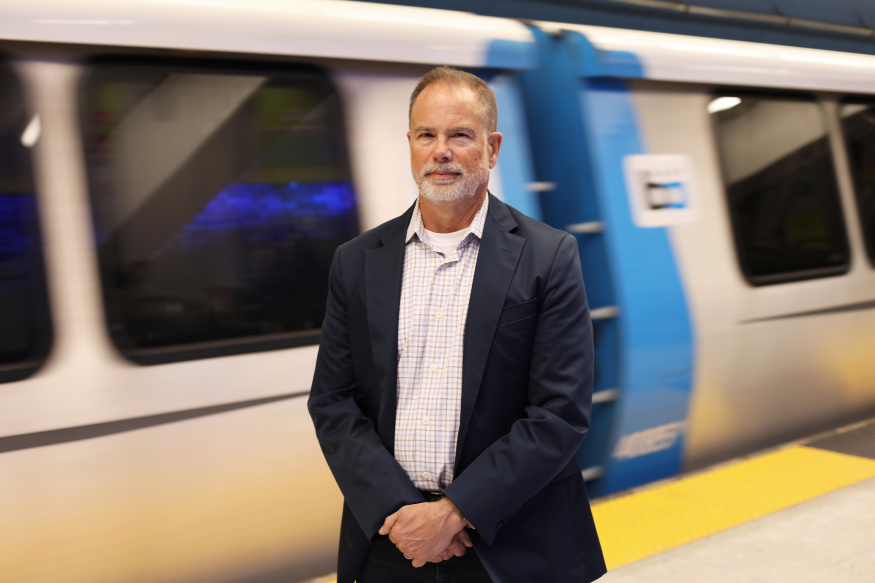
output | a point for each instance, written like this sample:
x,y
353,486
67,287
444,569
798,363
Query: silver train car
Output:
x,y
174,177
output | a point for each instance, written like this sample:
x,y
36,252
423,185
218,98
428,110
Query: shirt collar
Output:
x,y
475,228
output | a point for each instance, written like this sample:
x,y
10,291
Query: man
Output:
x,y
454,378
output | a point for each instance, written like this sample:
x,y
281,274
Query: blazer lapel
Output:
x,y
384,267
496,263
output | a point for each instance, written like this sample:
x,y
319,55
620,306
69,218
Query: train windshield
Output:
x,y
781,187
24,320
858,125
219,197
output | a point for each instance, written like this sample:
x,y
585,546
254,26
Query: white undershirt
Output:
x,y
446,242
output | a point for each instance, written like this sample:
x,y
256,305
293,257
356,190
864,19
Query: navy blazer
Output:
x,y
526,399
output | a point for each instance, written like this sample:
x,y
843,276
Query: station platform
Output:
x,y
803,512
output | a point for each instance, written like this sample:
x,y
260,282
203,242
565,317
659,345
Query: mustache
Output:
x,y
448,167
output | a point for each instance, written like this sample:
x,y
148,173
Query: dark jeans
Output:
x,y
386,564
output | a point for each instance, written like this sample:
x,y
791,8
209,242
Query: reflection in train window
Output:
x,y
858,125
219,198
781,188
25,329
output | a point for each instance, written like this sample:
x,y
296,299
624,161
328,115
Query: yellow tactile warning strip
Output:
x,y
663,517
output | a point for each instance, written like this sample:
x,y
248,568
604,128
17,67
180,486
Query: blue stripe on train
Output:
x,y
655,332
583,123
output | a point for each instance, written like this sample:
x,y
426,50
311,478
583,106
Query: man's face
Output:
x,y
451,149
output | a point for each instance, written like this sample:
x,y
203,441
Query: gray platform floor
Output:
x,y
830,539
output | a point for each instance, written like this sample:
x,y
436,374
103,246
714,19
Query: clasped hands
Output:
x,y
428,532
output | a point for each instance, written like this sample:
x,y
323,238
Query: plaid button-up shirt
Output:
x,y
431,331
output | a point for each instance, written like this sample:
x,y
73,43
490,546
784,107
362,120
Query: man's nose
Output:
x,y
442,150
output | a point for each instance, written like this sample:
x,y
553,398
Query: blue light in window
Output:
x,y
315,210
17,211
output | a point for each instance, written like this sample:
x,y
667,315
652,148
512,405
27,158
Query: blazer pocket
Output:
x,y
517,312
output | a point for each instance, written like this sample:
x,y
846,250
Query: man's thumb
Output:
x,y
389,523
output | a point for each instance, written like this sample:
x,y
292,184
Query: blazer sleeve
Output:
x,y
541,444
372,482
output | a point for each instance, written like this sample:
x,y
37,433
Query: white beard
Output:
x,y
444,192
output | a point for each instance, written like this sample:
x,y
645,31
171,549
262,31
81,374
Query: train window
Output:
x,y
219,195
858,125
781,187
25,328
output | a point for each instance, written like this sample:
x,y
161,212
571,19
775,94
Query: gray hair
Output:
x,y
456,79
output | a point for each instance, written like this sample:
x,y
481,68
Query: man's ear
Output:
x,y
493,144
408,138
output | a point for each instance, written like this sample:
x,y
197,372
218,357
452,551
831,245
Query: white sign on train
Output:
x,y
649,441
661,189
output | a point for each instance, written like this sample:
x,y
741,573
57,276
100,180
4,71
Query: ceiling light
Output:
x,y
31,132
722,104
